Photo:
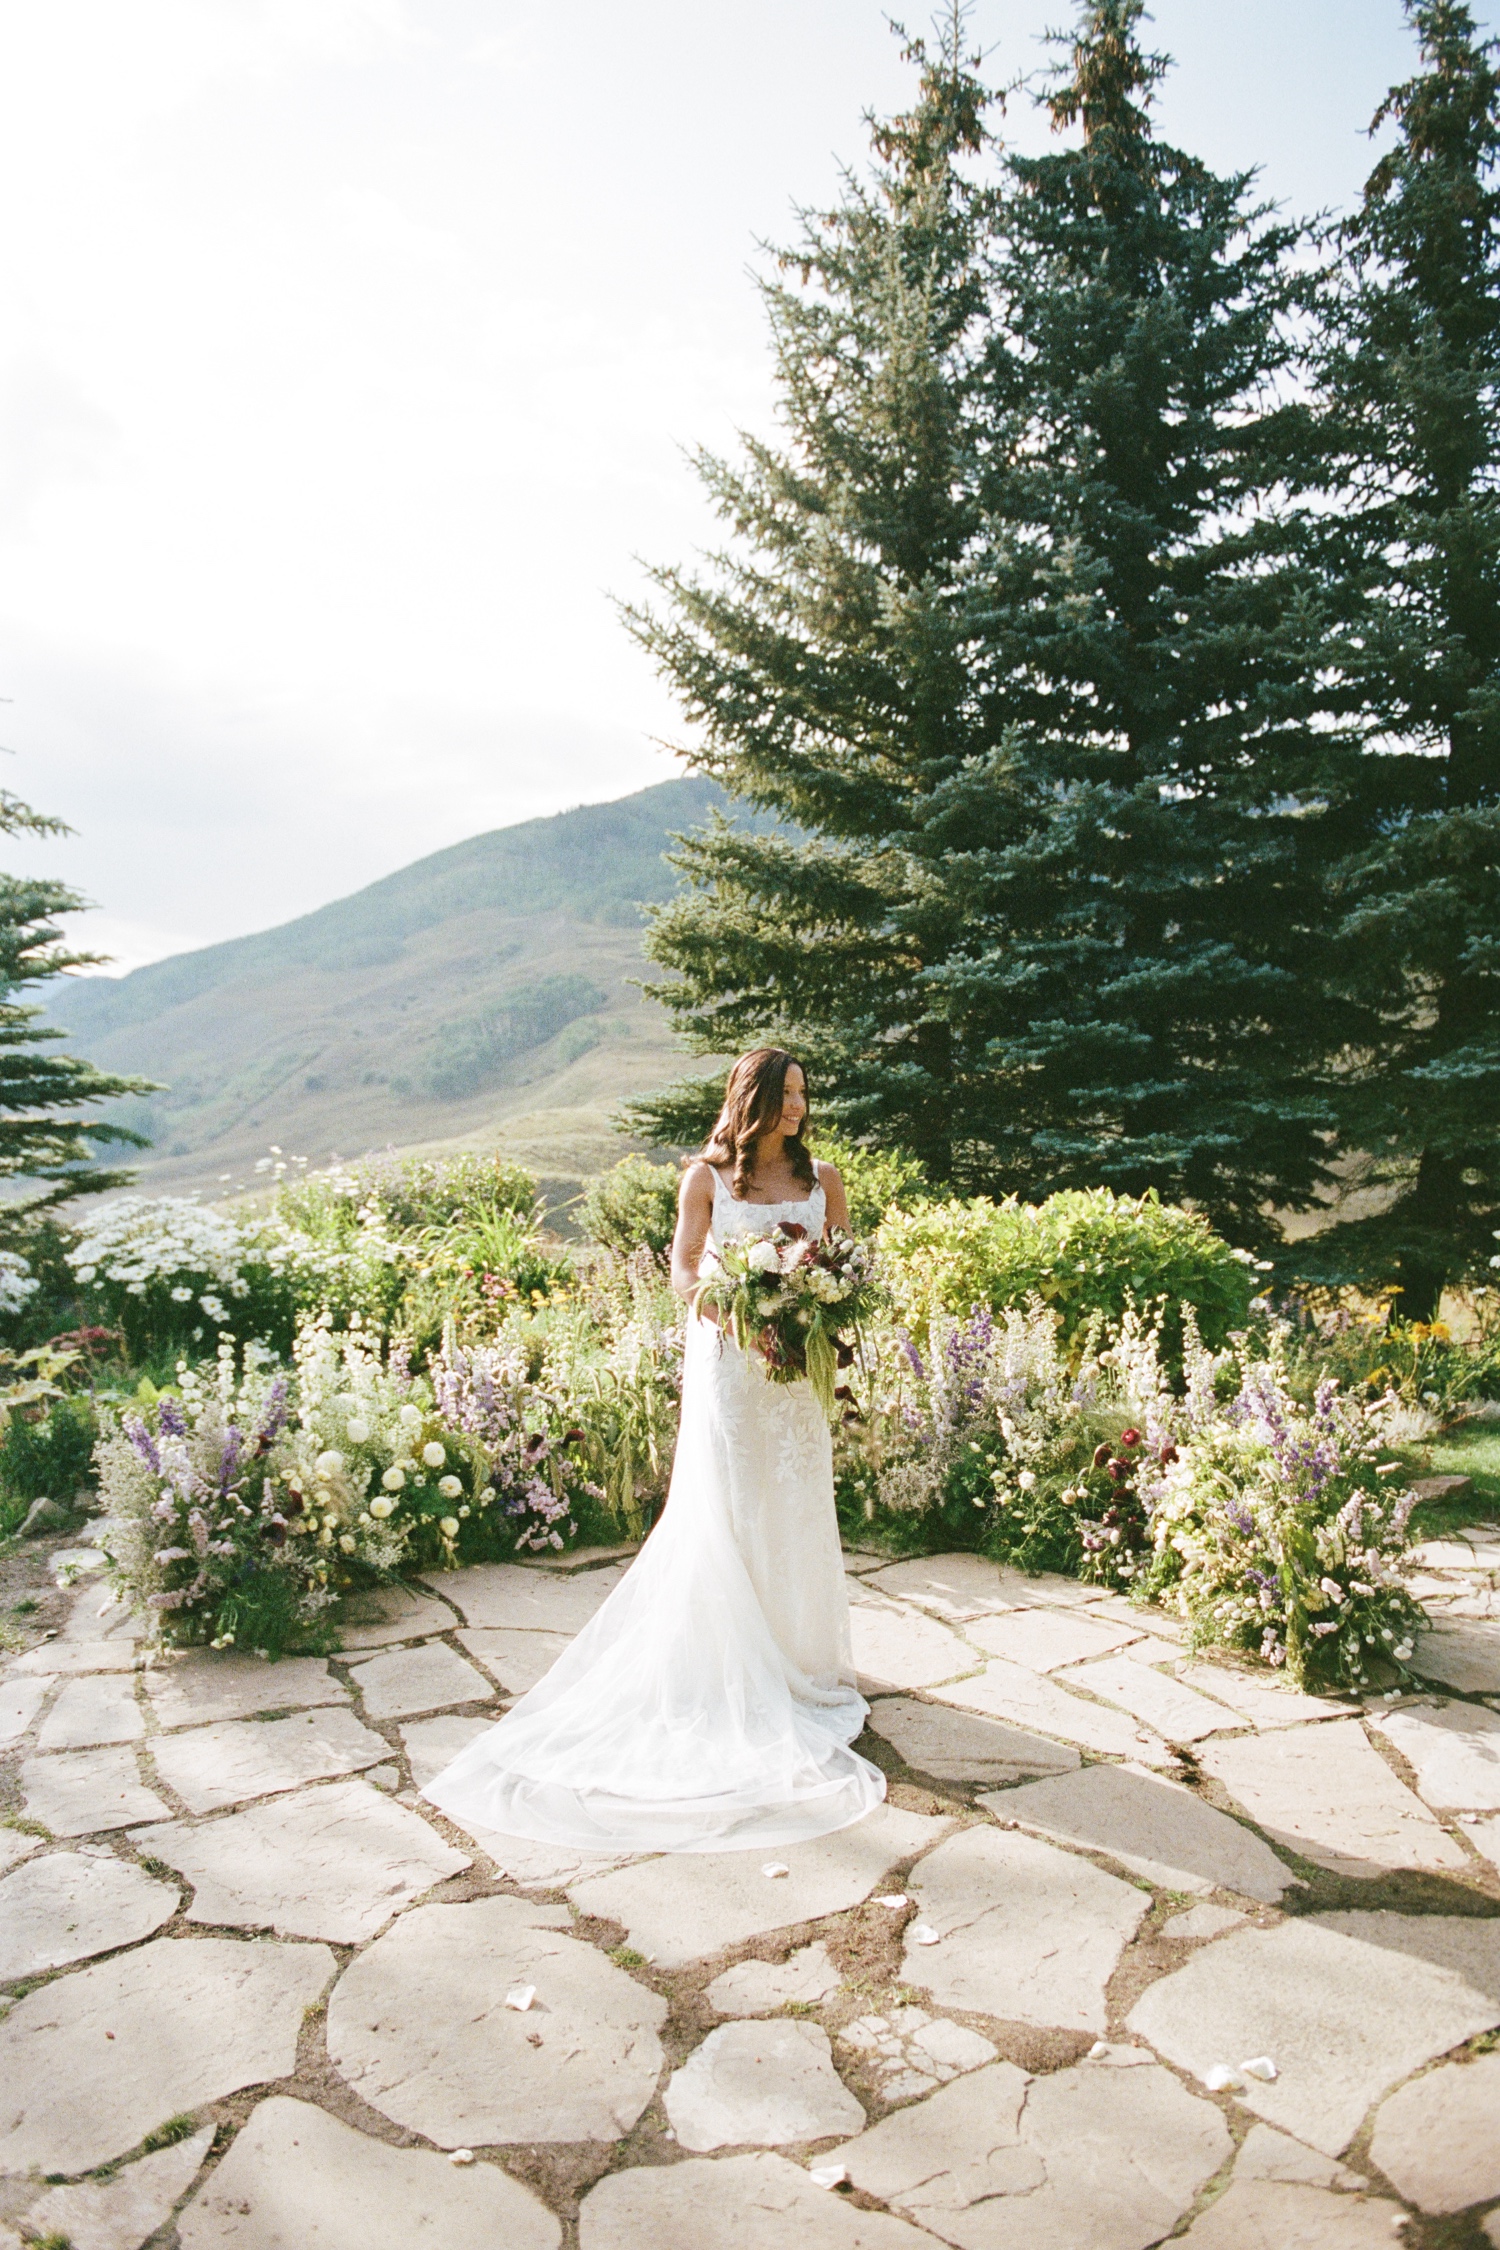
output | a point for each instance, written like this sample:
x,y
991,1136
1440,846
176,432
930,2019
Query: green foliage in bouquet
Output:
x,y
1086,1253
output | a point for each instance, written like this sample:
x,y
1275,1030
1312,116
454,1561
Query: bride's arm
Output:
x,y
695,1210
838,1202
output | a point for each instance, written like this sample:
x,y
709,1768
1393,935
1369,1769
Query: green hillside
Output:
x,y
481,995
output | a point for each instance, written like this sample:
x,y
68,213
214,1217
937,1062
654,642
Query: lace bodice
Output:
x,y
733,1217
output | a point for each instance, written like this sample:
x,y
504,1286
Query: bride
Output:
x,y
710,1704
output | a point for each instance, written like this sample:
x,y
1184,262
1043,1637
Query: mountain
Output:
x,y
481,996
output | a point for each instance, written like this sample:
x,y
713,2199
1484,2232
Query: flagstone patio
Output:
x,y
1142,1946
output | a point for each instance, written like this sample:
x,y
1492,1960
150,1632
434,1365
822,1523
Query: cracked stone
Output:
x,y
1152,1826
911,2051
332,1863
432,1744
1346,2017
1028,1933
85,1792
760,2084
419,2027
1266,2154
65,1907
689,1904
122,2213
1454,1750
1045,1639
1263,1704
1009,1691
1157,1700
509,1594
954,1745
1203,1922
756,1988
405,1681
1271,2215
193,2020
298,2179
1466,1656
516,1659
997,2161
383,1614
901,1648
1326,1792
91,1711
1437,2140
20,1701
212,1684
754,2202
222,1765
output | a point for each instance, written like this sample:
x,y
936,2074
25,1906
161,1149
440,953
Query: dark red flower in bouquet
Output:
x,y
292,1505
792,1231
276,1532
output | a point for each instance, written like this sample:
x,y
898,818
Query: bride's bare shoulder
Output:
x,y
697,1185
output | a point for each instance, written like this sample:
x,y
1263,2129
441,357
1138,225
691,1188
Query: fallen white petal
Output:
x,y
1100,2047
922,1933
520,1997
774,1867
828,2175
1259,2066
896,1899
1220,2077
461,2156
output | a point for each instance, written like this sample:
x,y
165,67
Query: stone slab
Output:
x,y
65,1907
1325,1791
297,2179
1465,1656
335,1863
1464,1946
91,1711
690,1904
1270,2215
956,1586
382,1615
16,1845
756,1988
897,1647
406,1681
432,1744
1263,1703
1266,2154
1009,1691
954,1745
756,2202
510,1594
760,2085
536,1866
1178,1713
1454,1750
215,1766
20,1702
97,1616
192,2020
1027,1933
1343,2019
88,1792
1484,1835
1437,2139
909,2052
419,2027
516,1659
1154,1827
1202,1922
1108,2158
206,1685
1046,1639
63,1655
122,2213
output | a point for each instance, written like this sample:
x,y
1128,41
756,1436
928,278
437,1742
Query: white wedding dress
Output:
x,y
710,1703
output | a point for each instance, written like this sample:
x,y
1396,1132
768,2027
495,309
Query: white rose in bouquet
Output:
x,y
763,1257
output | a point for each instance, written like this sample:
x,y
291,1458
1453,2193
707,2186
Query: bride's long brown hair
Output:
x,y
752,1106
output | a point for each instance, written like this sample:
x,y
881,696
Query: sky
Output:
x,y
352,354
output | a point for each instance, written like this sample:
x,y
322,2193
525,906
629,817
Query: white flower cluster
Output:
x,y
16,1282
169,1239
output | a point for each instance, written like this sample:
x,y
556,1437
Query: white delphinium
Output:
x,y
17,1283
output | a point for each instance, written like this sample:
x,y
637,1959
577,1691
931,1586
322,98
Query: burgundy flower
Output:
x,y
1101,1455
1119,1470
1130,1437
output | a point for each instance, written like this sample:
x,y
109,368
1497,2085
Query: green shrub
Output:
x,y
1086,1252
631,1205
407,1192
876,1180
50,1454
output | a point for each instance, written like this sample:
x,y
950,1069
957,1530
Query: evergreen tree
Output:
x,y
1412,387
44,1137
1022,642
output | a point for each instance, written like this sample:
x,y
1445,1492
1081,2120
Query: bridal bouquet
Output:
x,y
795,1301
